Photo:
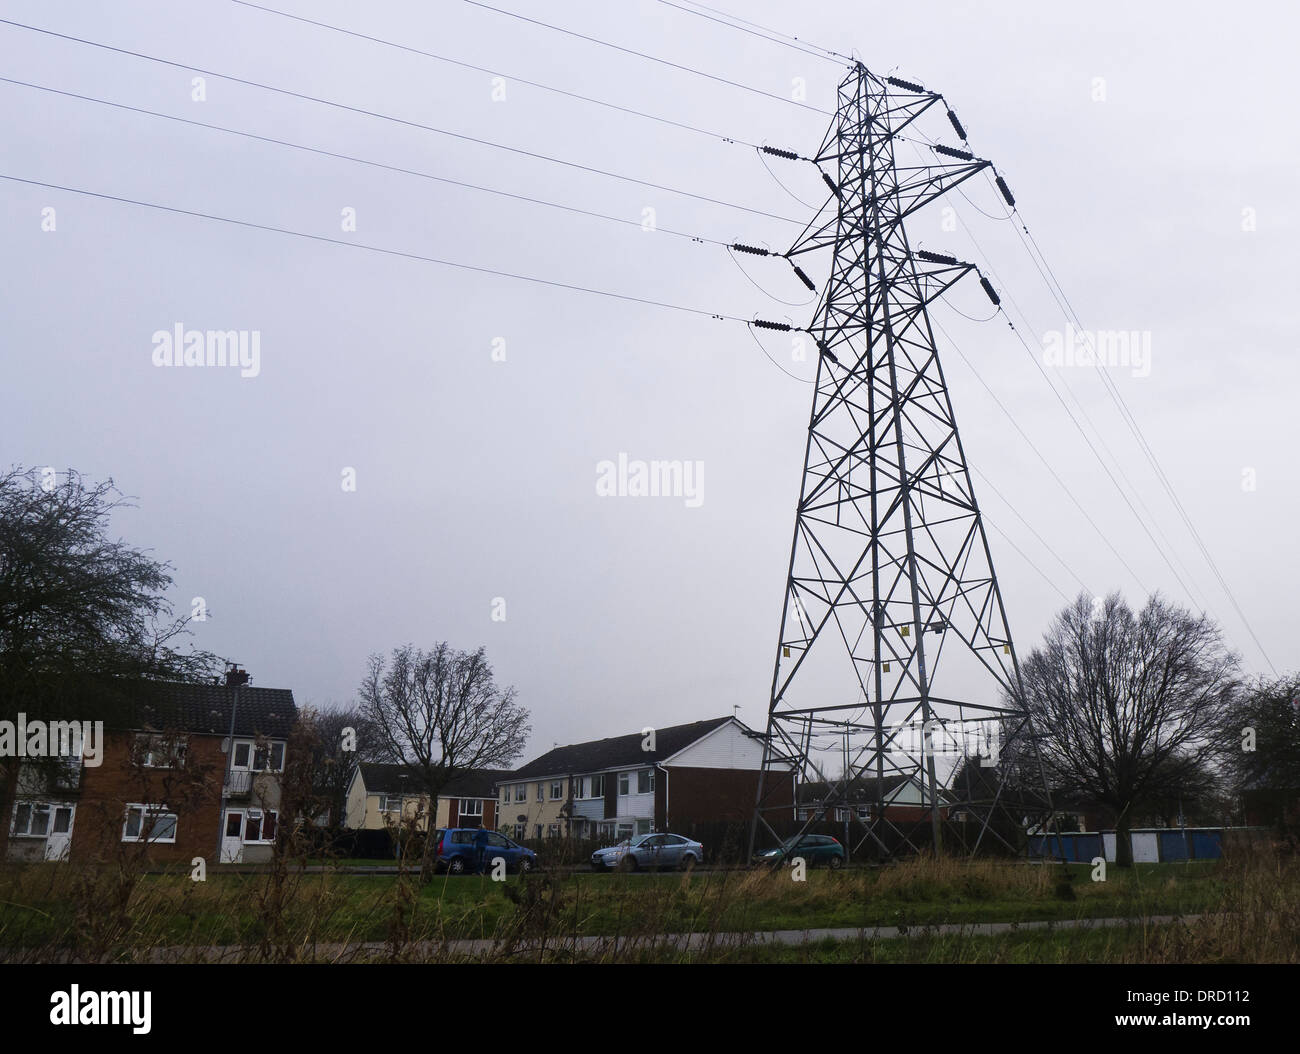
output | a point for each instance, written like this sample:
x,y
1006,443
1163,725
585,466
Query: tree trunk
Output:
x,y
1123,841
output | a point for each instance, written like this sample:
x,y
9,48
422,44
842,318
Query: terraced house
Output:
x,y
381,796
651,780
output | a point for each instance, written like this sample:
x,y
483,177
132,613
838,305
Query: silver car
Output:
x,y
651,851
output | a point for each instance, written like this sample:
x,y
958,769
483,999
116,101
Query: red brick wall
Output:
x,y
710,795
193,793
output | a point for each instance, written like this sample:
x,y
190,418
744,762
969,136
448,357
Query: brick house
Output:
x,y
177,781
702,772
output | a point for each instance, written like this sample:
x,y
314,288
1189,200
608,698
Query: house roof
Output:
x,y
599,754
206,709
387,779
855,792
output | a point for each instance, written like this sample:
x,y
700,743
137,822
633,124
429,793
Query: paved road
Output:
x,y
596,946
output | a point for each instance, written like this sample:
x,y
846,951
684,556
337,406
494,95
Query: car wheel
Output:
x,y
628,863
525,865
835,863
456,865
688,862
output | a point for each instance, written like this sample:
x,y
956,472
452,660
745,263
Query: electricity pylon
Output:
x,y
890,568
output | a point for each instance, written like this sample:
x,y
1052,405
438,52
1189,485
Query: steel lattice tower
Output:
x,y
893,632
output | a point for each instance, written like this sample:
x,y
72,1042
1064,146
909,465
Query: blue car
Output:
x,y
455,851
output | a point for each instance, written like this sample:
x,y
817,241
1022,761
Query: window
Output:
x,y
159,752
557,790
537,831
540,792
266,758
624,830
643,826
259,826
521,792
505,795
624,782
645,781
552,830
149,823
31,819
390,803
595,786
471,811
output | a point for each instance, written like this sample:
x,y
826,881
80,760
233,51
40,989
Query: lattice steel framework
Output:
x,y
890,569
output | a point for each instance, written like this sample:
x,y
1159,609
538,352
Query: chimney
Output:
x,y
235,676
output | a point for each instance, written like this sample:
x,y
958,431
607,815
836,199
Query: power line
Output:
x,y
402,121
1006,537
491,72
374,248
754,29
1164,550
651,58
363,161
1039,454
1126,414
1057,291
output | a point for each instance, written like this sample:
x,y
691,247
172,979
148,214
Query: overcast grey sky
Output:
x,y
1152,149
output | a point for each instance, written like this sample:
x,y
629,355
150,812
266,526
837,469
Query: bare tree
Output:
x,y
341,738
441,713
1128,707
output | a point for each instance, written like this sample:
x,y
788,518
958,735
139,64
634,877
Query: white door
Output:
x,y
232,838
1146,847
56,845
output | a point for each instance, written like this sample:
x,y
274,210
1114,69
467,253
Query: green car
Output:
x,y
813,848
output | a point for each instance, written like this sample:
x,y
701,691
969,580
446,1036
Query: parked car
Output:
x,y
814,848
652,851
455,851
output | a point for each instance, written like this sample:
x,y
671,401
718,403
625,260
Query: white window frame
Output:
x,y
552,830
649,775
261,825
471,812
32,808
541,791
597,780
386,803
146,811
557,790
251,764
157,751
624,784
521,792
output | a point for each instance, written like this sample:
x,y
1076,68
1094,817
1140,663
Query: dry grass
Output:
x,y
110,912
